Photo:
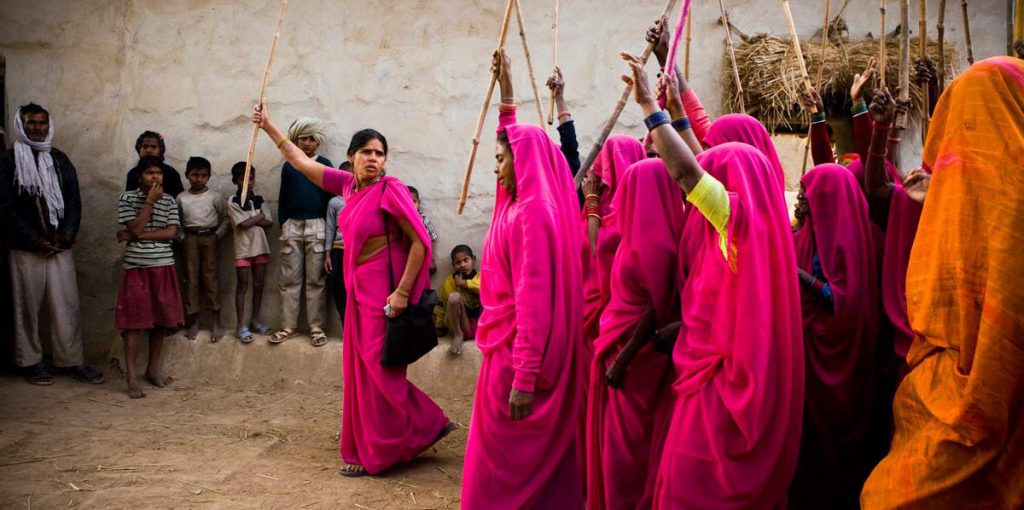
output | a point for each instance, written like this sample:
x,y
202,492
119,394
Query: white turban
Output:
x,y
306,126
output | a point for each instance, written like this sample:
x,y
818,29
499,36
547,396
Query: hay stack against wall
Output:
x,y
771,75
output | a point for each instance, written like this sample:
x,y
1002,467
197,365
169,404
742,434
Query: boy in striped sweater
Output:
x,y
149,298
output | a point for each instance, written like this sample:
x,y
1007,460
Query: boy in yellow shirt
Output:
x,y
459,298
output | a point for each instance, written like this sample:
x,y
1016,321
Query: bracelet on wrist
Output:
x,y
282,142
817,117
681,124
595,196
656,120
893,139
878,154
402,292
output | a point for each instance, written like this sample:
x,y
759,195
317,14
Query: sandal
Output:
x,y
243,334
260,329
352,471
317,337
86,374
282,335
38,375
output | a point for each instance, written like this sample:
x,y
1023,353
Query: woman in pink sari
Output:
x,y
735,427
521,451
627,423
386,420
740,127
839,278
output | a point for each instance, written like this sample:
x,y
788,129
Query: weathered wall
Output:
x,y
417,71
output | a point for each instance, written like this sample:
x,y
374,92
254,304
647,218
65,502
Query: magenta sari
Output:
x,y
386,420
740,127
734,436
626,427
530,334
840,342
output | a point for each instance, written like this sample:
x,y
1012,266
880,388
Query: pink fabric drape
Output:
x,y
735,429
840,341
740,127
904,215
386,419
626,426
530,334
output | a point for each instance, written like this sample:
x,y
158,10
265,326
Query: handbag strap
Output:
x,y
387,235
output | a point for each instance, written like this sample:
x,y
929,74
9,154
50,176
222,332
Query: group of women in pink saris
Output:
x,y
681,343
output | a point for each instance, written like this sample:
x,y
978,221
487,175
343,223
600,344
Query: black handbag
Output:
x,y
410,335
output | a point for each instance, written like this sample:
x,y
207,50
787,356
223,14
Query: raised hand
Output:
x,y
556,84
658,36
638,80
924,71
811,101
501,66
860,80
883,107
669,89
260,115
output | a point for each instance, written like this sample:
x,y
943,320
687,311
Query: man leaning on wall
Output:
x,y
42,209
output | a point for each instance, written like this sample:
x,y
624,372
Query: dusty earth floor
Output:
x,y
205,442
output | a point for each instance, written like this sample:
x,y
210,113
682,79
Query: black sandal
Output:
x,y
38,375
87,374
354,473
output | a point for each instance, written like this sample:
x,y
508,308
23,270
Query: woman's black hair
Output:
x,y
462,249
149,162
503,139
414,191
151,134
362,137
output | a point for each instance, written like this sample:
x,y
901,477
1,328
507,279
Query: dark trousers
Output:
x,y
337,280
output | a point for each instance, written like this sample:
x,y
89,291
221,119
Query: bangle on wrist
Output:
x,y
878,154
593,195
681,124
893,139
564,114
402,292
282,142
594,215
817,117
886,126
656,120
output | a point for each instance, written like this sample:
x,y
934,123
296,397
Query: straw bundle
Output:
x,y
772,81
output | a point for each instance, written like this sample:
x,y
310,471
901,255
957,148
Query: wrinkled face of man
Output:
x,y
37,126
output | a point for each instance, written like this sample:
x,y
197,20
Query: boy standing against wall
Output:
x,y
203,215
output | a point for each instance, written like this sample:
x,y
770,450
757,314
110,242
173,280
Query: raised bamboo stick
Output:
x,y
483,112
821,78
922,53
686,56
262,98
882,55
621,104
967,32
529,64
1018,22
904,92
554,61
732,56
940,27
796,47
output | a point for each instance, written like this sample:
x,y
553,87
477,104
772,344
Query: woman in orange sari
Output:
x,y
959,439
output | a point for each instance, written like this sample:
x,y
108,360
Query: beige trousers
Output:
x,y
38,281
302,260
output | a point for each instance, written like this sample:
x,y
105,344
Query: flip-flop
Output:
x,y
353,474
260,329
38,375
244,335
86,374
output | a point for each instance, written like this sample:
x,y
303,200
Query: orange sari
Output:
x,y
959,439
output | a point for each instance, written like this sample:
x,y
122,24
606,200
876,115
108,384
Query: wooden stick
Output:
x,y
529,64
677,36
483,111
882,54
904,92
1018,22
796,47
967,32
620,105
554,61
686,57
262,96
922,50
732,56
940,27
821,78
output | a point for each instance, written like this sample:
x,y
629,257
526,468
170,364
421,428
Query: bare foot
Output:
x,y
456,347
134,390
193,330
217,333
158,380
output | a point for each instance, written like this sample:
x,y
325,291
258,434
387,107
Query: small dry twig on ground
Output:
x,y
107,403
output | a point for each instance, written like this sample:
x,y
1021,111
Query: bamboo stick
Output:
x,y
732,56
883,55
796,47
677,36
529,65
686,56
554,61
821,78
904,92
922,52
262,98
1018,21
483,112
967,32
620,105
940,27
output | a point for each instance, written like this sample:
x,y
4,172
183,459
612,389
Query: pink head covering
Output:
x,y
739,359
857,168
840,341
618,152
740,127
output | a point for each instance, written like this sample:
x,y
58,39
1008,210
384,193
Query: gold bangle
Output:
x,y
593,195
402,292
592,215
282,142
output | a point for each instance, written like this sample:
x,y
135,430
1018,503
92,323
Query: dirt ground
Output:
x,y
72,445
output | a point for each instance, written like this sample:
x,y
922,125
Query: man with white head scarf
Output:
x,y
40,201
302,206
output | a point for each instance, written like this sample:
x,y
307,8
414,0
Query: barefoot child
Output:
x,y
459,297
149,298
250,220
203,215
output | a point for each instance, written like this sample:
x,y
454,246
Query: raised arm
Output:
x,y
859,111
502,66
566,127
680,120
877,186
821,144
699,120
309,167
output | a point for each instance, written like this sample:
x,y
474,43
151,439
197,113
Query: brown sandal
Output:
x,y
282,335
317,337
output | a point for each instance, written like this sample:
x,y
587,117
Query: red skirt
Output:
x,y
149,298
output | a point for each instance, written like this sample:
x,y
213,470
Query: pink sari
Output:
x,y
735,430
386,420
904,214
627,426
837,449
740,127
530,334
